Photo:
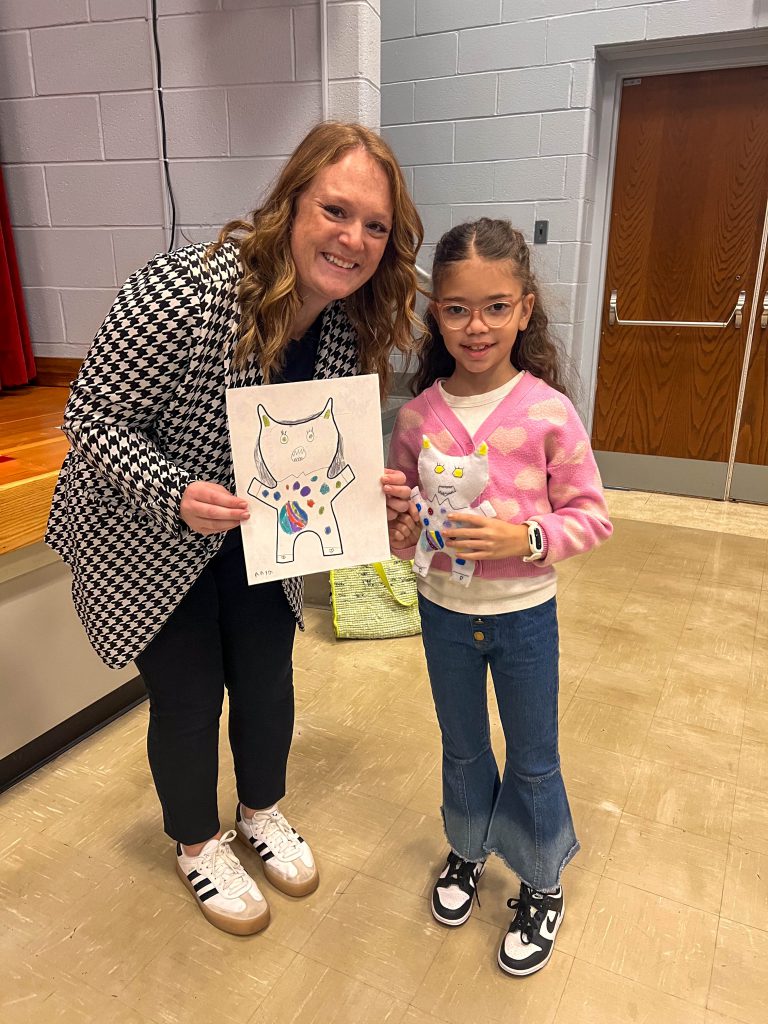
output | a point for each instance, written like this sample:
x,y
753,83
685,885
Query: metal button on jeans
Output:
x,y
478,635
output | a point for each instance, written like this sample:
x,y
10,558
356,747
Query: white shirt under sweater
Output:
x,y
484,596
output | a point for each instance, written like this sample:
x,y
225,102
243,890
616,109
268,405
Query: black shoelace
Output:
x,y
461,872
525,922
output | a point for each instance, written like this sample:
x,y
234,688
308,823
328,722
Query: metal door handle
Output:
x,y
613,316
764,317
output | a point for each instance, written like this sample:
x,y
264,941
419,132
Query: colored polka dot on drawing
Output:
x,y
305,491
324,489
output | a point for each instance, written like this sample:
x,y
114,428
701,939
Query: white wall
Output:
x,y
79,141
491,105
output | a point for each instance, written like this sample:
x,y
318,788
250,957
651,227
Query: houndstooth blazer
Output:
x,y
146,417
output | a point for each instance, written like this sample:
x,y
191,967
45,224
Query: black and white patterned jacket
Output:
x,y
146,417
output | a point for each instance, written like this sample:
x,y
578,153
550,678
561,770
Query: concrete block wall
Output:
x,y
491,106
79,138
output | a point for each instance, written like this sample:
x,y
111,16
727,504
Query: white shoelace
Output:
x,y
223,868
279,836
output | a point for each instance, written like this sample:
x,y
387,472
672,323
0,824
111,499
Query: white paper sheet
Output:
x,y
308,458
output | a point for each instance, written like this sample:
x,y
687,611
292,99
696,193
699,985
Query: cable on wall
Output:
x,y
157,69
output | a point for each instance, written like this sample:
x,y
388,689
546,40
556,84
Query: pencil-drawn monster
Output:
x,y
448,483
300,471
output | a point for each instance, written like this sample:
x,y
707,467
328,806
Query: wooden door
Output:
x,y
689,197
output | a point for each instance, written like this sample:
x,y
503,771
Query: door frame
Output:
x,y
612,65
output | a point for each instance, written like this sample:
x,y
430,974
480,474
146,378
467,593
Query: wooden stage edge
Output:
x,y
56,373
32,449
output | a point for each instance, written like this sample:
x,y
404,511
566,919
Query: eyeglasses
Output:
x,y
456,317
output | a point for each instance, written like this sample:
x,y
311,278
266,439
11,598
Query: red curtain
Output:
x,y
17,365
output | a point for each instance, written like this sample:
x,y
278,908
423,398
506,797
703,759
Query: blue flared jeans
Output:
x,y
523,817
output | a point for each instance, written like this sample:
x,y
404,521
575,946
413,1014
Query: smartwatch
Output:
x,y
535,541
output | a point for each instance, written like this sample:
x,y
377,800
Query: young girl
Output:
x,y
505,485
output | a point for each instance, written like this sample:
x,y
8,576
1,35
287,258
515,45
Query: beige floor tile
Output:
x,y
753,765
651,940
94,941
700,641
666,587
668,862
740,974
606,726
199,972
309,993
623,689
464,983
689,747
635,649
387,765
347,827
411,855
684,800
383,937
595,826
756,721
428,798
724,609
693,703
588,609
745,896
414,1016
294,920
594,774
595,996
41,878
750,820
29,998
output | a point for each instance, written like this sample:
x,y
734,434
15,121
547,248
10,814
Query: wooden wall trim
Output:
x,y
56,373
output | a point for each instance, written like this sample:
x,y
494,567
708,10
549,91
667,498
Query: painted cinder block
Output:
x,y
503,46
445,99
108,194
226,48
64,257
423,57
498,138
534,89
56,128
422,143
101,57
453,183
26,195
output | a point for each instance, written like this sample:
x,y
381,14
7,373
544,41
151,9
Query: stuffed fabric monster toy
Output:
x,y
300,471
448,483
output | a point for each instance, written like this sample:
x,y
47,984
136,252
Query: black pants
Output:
x,y
223,633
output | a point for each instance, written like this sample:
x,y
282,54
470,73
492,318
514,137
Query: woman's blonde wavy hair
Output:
x,y
382,312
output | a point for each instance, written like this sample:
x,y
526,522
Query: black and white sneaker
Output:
x,y
530,941
455,890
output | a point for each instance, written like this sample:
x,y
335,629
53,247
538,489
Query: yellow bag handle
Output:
x,y
381,573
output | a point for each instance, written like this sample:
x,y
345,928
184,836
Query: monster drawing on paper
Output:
x,y
300,471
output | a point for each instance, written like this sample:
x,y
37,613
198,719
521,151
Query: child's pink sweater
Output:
x,y
540,467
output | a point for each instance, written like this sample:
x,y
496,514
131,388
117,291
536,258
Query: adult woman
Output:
x,y
318,283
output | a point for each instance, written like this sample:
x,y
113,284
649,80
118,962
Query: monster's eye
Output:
x,y
283,437
311,434
458,472
439,469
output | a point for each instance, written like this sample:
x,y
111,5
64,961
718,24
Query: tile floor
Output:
x,y
664,737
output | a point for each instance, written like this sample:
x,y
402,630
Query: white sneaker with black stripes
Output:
x,y
285,857
225,892
530,939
